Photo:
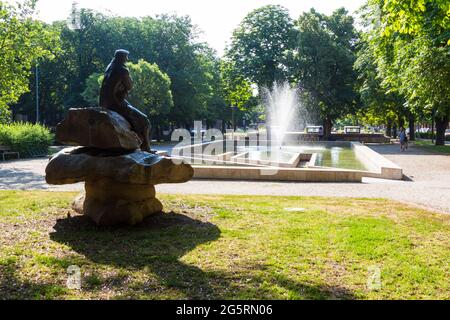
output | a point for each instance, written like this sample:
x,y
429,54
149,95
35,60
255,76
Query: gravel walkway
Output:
x,y
427,184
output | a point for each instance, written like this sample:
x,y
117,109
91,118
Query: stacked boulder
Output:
x,y
119,179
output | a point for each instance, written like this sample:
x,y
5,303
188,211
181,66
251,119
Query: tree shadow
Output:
x,y
155,245
11,178
158,244
13,287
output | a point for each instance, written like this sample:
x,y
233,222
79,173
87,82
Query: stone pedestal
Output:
x,y
108,202
119,179
119,187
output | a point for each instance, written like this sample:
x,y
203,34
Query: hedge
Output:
x,y
428,135
26,138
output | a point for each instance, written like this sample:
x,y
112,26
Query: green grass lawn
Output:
x,y
206,247
428,146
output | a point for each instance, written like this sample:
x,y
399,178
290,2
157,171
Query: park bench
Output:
x,y
352,129
37,152
5,151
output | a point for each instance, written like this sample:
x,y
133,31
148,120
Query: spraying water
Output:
x,y
282,109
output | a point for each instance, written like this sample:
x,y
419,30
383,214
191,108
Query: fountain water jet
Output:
x,y
282,106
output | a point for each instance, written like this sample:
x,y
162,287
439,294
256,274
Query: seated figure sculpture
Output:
x,y
119,179
115,87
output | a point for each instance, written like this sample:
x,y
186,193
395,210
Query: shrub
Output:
x,y
424,135
429,135
25,138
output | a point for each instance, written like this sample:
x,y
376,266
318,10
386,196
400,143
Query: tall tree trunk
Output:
x,y
401,121
223,126
441,125
158,133
327,125
389,129
412,127
432,127
394,131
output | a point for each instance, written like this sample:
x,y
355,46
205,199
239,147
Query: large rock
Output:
x,y
119,185
73,165
109,203
97,128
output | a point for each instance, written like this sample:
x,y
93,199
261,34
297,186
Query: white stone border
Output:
x,y
292,163
278,174
378,166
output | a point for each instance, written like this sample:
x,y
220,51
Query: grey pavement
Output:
x,y
426,184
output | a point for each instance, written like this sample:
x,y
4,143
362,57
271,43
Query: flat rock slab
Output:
x,y
72,165
97,128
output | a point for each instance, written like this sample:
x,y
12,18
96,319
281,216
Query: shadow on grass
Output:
x,y
157,246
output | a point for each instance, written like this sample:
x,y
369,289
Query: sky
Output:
x,y
216,18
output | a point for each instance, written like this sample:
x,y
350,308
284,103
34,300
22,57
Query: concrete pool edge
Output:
x,y
377,167
278,174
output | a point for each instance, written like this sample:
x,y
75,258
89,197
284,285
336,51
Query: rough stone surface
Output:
x,y
119,181
109,203
73,165
97,128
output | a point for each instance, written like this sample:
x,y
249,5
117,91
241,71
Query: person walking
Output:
x,y
403,139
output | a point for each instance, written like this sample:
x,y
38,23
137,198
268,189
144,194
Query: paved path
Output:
x,y
429,184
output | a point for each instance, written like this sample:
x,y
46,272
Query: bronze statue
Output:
x,y
115,87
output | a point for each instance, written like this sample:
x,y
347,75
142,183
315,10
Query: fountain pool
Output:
x,y
320,154
272,157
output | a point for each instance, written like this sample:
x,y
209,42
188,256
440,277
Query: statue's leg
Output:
x,y
141,125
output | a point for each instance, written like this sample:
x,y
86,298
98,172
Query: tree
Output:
x,y
151,93
322,62
236,89
169,41
214,109
411,45
92,87
82,53
424,79
380,104
85,49
415,18
23,41
260,43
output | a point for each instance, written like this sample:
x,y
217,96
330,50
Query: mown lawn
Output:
x,y
429,146
206,247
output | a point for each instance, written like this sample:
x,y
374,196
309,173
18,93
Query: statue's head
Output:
x,y
121,55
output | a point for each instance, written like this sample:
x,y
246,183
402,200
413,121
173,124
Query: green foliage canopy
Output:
x,y
22,42
410,46
151,93
322,62
169,41
260,43
237,90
